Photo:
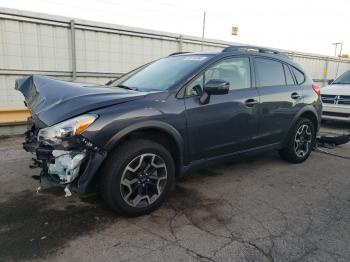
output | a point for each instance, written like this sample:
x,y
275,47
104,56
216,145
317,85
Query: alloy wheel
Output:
x,y
143,180
303,140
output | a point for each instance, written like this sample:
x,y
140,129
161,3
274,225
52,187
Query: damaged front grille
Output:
x,y
66,165
62,164
30,137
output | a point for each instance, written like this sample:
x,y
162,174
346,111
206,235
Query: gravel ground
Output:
x,y
257,209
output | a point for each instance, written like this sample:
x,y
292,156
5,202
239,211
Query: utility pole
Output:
x,y
336,47
341,49
204,14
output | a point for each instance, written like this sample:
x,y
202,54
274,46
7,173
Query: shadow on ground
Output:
x,y
33,225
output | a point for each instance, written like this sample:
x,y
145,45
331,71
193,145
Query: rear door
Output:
x,y
280,98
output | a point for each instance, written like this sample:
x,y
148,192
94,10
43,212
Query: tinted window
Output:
x,y
236,71
298,75
196,87
289,77
163,73
269,72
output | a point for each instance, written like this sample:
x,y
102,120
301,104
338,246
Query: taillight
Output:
x,y
316,89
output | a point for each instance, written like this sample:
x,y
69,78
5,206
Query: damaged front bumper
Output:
x,y
72,164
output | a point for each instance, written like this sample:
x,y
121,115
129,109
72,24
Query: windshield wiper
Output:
x,y
128,87
340,83
110,82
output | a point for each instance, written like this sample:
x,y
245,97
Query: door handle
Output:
x,y
295,95
250,102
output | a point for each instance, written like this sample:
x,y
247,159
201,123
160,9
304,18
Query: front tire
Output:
x,y
137,177
300,142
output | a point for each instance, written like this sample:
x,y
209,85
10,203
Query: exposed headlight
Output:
x,y
53,135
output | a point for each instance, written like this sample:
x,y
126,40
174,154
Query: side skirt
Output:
x,y
206,162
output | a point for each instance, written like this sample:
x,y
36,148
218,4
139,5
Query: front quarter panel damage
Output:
x,y
74,163
67,165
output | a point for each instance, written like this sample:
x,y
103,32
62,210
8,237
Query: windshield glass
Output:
x,y
161,74
343,79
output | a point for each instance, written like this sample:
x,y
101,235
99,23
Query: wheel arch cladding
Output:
x,y
313,118
307,112
157,131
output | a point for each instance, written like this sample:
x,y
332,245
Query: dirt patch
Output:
x,y
32,226
201,211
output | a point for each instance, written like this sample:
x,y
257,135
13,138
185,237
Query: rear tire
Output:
x,y
137,177
300,142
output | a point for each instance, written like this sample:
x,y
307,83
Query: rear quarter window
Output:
x,y
289,77
299,76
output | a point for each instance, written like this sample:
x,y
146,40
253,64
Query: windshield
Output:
x,y
343,79
161,74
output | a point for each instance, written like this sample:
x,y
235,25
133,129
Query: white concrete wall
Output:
x,y
32,43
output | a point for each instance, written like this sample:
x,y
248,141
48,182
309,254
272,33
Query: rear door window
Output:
x,y
289,77
269,72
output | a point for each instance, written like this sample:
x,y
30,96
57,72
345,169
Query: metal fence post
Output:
x,y
292,56
325,71
180,43
336,73
74,58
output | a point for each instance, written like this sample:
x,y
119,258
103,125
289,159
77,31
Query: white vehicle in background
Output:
x,y
336,99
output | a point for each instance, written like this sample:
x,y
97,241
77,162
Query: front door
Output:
x,y
228,123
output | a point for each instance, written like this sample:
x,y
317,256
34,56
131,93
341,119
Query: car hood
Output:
x,y
340,90
51,101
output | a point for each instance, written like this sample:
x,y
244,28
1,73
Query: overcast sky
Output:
x,y
301,25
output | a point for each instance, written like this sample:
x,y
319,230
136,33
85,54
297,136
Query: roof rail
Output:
x,y
178,53
255,48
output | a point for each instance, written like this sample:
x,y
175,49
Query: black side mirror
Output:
x,y
214,87
330,81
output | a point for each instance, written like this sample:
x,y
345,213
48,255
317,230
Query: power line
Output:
x,y
144,9
176,6
153,11
216,13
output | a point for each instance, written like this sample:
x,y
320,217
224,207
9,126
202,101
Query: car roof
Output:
x,y
245,50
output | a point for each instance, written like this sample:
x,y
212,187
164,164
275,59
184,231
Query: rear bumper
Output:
x,y
336,112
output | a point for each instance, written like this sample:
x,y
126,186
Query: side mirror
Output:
x,y
330,81
214,87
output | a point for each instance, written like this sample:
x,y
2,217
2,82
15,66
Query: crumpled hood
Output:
x,y
340,90
52,101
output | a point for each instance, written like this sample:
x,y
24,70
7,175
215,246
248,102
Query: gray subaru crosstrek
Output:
x,y
130,138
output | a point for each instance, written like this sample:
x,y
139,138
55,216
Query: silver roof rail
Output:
x,y
179,53
258,49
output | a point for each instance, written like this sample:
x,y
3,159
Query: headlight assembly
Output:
x,y
53,135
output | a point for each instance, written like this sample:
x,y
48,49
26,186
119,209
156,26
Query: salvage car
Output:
x,y
336,99
132,137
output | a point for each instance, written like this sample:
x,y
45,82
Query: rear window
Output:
x,y
269,72
300,77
